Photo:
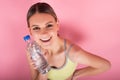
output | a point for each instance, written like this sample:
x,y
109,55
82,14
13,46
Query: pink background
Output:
x,y
92,24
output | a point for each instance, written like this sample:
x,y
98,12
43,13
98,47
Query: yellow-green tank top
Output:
x,y
65,71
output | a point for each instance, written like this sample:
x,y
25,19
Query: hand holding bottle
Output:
x,y
36,53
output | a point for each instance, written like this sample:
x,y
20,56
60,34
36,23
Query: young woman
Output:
x,y
60,53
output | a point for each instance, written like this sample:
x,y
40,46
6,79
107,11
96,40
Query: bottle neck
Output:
x,y
28,41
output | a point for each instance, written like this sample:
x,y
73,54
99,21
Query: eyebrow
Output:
x,y
49,22
34,25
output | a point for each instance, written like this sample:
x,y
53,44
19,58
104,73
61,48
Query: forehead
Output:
x,y
41,18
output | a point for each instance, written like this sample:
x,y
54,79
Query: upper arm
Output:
x,y
80,56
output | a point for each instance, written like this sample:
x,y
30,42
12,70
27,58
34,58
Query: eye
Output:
x,y
49,25
36,28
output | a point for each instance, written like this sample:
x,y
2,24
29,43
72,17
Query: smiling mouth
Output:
x,y
46,40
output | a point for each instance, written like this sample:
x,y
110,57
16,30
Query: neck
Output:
x,y
57,46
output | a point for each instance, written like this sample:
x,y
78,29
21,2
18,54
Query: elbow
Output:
x,y
105,66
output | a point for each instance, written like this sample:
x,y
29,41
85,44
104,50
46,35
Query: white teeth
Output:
x,y
45,39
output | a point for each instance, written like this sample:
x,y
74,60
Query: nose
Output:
x,y
43,32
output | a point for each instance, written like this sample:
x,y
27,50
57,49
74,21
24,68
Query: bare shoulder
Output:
x,y
81,56
73,53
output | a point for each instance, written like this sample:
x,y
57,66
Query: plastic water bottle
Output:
x,y
36,54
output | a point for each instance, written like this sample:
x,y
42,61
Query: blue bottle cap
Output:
x,y
27,37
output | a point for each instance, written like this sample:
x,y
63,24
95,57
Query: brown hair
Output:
x,y
40,8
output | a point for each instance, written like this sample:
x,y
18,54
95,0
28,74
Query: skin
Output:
x,y
43,27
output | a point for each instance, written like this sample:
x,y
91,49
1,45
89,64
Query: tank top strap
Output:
x,y
67,50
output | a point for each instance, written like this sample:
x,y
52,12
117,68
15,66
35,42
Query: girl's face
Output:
x,y
43,28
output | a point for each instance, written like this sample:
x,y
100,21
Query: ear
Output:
x,y
57,25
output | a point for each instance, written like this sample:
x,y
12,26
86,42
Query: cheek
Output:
x,y
53,32
34,34
35,37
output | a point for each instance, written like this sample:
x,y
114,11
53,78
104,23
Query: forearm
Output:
x,y
87,71
34,75
39,76
34,72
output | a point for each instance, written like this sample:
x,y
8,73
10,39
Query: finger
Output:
x,y
33,64
35,67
